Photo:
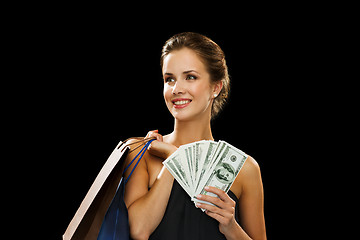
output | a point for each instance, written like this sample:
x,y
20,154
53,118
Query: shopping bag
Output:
x,y
89,217
116,222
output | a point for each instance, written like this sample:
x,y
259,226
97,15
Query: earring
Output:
x,y
215,95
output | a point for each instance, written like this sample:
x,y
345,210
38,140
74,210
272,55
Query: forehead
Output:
x,y
182,60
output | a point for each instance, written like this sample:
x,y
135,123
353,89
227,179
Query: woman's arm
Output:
x,y
146,207
251,202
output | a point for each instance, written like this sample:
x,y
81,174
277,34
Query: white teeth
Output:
x,y
181,102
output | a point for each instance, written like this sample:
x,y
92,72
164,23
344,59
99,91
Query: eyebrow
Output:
x,y
185,72
189,71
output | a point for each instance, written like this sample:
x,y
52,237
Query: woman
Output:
x,y
196,85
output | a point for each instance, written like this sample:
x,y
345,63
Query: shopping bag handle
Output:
x,y
142,152
140,139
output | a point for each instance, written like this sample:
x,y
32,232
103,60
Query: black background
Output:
x,y
97,80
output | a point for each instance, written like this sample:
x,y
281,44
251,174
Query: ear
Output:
x,y
217,88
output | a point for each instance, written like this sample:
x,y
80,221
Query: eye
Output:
x,y
191,77
169,80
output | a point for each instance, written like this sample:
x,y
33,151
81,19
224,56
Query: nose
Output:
x,y
178,88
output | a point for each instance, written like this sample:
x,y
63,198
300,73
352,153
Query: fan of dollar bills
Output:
x,y
205,163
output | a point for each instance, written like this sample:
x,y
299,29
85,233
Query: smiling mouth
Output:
x,y
181,103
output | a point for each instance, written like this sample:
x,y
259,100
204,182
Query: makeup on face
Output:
x,y
186,84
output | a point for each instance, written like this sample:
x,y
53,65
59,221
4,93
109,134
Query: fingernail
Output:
x,y
198,205
207,188
198,196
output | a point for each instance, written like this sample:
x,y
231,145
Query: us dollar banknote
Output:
x,y
224,171
175,166
205,163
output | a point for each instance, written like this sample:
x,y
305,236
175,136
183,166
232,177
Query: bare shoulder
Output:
x,y
250,178
135,144
248,175
251,168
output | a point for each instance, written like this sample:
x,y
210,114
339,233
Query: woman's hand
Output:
x,y
223,212
158,147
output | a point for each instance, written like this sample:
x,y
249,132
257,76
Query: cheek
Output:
x,y
167,93
201,91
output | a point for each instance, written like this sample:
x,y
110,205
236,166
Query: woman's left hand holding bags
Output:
x,y
158,147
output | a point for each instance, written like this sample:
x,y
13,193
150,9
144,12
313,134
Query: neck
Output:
x,y
190,131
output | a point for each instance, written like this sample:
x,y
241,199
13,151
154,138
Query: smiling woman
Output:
x,y
196,86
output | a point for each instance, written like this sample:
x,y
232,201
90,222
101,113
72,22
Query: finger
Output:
x,y
156,134
208,207
152,131
222,194
214,200
156,146
215,210
161,149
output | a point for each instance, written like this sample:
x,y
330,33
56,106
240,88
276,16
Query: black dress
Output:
x,y
183,221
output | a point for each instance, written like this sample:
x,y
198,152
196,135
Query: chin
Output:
x,y
189,113
182,116
186,116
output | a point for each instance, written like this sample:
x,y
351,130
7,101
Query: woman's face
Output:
x,y
188,92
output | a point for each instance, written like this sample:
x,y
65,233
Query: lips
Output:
x,y
181,102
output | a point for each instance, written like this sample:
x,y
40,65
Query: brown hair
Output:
x,y
213,57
